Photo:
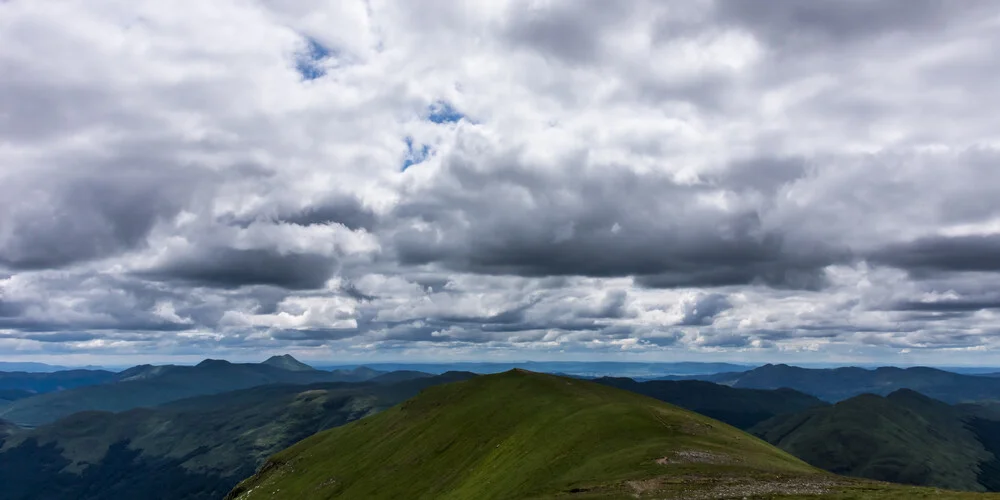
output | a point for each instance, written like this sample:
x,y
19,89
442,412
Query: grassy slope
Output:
x,y
904,437
527,435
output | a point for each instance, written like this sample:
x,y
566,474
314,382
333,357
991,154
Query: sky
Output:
x,y
784,181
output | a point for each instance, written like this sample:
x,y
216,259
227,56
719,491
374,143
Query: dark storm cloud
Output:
x,y
942,254
230,268
56,219
612,222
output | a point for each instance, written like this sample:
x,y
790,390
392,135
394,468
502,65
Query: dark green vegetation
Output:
x,y
196,448
742,408
904,437
837,384
527,435
146,386
38,383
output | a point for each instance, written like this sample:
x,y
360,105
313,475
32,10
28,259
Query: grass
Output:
x,y
527,435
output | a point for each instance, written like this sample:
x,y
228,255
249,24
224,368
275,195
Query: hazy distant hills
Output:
x,y
904,437
742,408
590,369
147,385
521,435
836,384
41,382
195,448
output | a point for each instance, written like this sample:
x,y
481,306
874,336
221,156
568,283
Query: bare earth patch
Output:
x,y
708,488
696,457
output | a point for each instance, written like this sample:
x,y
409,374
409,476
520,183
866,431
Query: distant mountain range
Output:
x,y
837,384
41,382
147,386
590,369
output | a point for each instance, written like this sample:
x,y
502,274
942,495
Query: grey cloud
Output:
x,y
762,174
351,290
726,340
348,212
230,267
615,223
570,31
61,337
315,334
704,309
342,209
943,254
53,219
792,21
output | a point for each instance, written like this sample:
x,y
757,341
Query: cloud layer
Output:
x,y
812,181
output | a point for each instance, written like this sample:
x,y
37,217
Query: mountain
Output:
x,y
904,437
9,366
741,408
196,448
147,386
37,382
359,374
527,435
837,384
400,376
287,362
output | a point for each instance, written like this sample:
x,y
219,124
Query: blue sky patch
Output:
x,y
414,155
307,63
442,112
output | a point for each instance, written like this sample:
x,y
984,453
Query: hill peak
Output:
x,y
517,434
213,363
287,362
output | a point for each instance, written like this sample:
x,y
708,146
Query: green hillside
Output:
x,y
526,435
904,437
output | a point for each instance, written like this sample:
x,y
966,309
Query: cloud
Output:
x,y
943,253
703,179
227,267
704,309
